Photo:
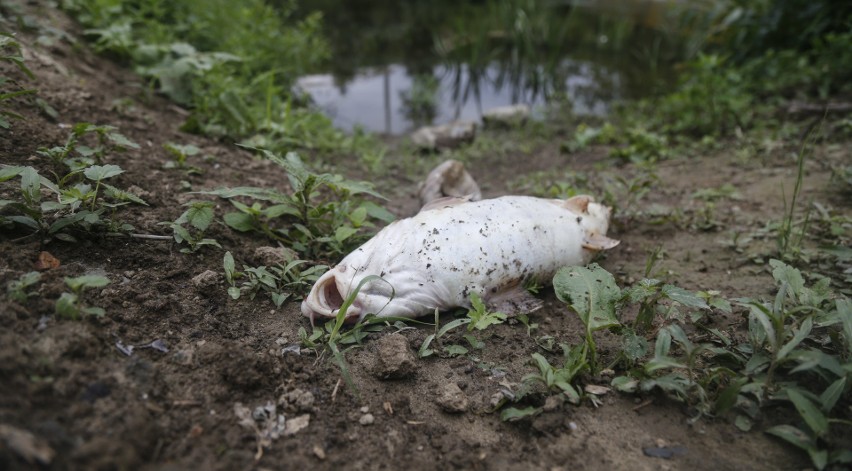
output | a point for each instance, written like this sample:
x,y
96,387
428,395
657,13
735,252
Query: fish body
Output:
x,y
455,247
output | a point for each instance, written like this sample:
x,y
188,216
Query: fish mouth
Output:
x,y
327,298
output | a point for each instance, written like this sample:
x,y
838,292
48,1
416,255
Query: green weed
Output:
x,y
322,217
17,289
478,318
190,226
180,153
281,282
10,52
71,305
86,206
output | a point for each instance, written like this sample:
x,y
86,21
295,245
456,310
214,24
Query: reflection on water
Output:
x,y
399,65
376,98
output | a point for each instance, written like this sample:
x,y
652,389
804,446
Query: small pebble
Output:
x,y
367,419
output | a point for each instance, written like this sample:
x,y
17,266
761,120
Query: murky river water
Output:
x,y
399,65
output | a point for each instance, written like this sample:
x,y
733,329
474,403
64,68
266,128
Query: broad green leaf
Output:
x,y
452,325
94,311
102,172
809,412
802,333
7,173
590,292
239,221
455,350
234,292
625,384
684,297
844,311
199,216
743,422
425,351
635,347
230,267
761,323
358,217
792,435
643,290
727,398
378,212
663,344
785,273
278,210
86,281
66,306
121,140
262,194
344,232
31,185
832,394
511,414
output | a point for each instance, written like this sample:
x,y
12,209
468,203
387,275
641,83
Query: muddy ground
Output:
x,y
90,406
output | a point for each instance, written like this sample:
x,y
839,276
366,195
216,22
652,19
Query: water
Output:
x,y
397,67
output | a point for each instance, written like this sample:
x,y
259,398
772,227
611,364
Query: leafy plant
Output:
x,y
80,206
478,318
180,153
281,282
10,52
17,289
190,226
320,218
71,305
592,294
78,152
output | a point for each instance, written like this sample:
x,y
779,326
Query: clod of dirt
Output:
x,y
367,419
26,445
394,358
270,256
297,399
206,279
451,398
554,402
294,425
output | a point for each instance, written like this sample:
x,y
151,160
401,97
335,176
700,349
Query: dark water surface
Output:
x,y
397,65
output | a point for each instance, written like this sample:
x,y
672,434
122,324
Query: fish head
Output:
x,y
369,294
595,224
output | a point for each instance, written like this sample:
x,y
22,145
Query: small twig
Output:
x,y
334,392
643,405
186,403
140,236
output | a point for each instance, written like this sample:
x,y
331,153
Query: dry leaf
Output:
x,y
46,261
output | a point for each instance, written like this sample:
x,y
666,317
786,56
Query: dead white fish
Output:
x,y
454,247
448,179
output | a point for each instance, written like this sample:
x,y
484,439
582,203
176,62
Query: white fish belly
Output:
x,y
438,257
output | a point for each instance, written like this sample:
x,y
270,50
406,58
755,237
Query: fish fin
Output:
x,y
578,204
446,202
599,242
514,301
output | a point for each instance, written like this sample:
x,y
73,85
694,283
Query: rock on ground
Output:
x,y
394,358
451,398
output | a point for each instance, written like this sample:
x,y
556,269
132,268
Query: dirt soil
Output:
x,y
95,408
